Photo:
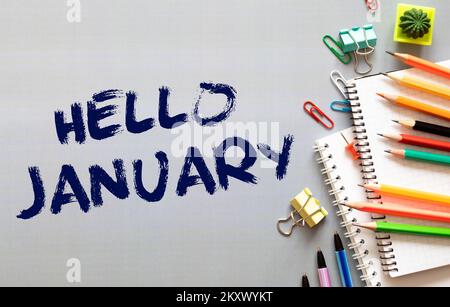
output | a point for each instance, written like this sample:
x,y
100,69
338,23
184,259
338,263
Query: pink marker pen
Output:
x,y
324,275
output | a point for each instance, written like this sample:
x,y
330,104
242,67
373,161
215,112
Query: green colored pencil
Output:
x,y
410,154
406,229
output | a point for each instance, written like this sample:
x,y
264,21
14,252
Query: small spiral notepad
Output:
x,y
343,175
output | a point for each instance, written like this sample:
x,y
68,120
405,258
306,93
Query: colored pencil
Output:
x,y
422,64
406,229
401,211
417,141
408,193
342,261
416,155
424,127
421,85
417,105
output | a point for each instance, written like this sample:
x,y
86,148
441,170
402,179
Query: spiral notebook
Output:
x,y
343,174
403,254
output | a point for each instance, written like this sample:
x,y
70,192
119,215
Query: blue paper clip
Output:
x,y
343,106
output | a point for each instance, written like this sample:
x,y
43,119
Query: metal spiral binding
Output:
x,y
365,265
368,277
384,242
357,245
352,234
344,212
348,223
360,255
333,180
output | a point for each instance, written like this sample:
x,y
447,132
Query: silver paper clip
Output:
x,y
340,82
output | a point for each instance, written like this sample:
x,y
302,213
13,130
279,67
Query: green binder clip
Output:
x,y
358,38
361,41
337,49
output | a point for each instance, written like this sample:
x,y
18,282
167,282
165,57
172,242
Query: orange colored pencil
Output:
x,y
422,64
397,210
408,193
417,105
421,85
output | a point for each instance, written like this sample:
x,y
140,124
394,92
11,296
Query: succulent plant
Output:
x,y
415,23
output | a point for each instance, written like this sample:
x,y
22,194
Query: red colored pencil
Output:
x,y
418,141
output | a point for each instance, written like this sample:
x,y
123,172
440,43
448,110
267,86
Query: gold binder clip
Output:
x,y
307,210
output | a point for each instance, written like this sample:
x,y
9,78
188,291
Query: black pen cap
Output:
x,y
321,260
338,243
305,282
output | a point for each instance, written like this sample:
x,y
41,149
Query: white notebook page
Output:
x,y
412,253
343,166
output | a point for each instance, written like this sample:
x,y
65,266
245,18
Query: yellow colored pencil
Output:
x,y
417,105
421,85
408,193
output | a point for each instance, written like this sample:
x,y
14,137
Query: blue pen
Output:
x,y
341,256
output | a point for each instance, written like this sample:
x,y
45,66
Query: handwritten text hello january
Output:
x,y
69,189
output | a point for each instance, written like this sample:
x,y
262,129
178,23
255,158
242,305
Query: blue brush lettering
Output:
x,y
60,198
63,128
95,115
132,125
194,157
165,120
39,195
225,170
100,177
212,88
158,192
107,95
282,159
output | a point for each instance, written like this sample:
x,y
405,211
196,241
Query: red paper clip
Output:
x,y
318,115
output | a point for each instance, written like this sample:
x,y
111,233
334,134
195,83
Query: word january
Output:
x,y
101,107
